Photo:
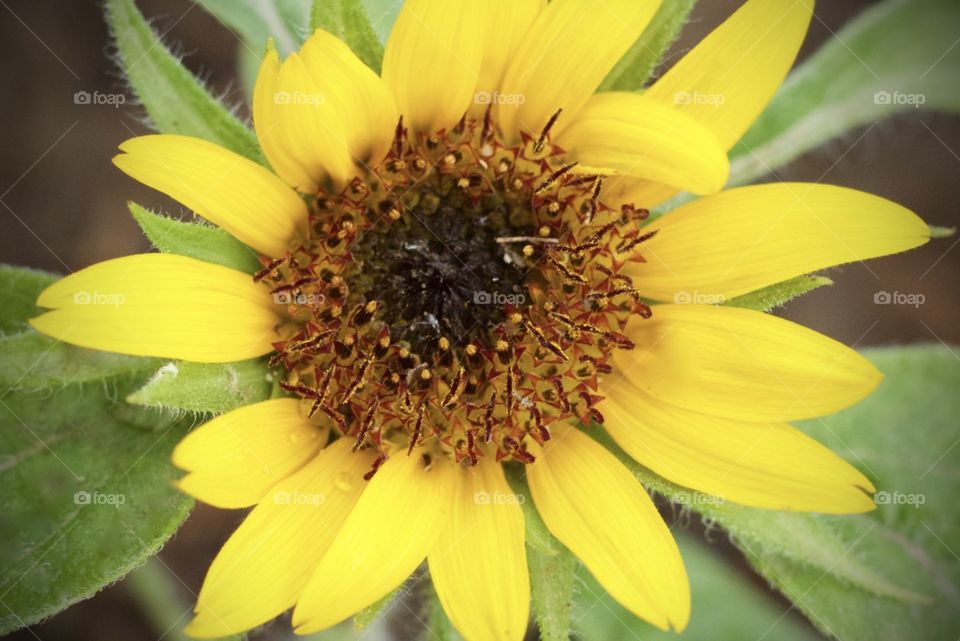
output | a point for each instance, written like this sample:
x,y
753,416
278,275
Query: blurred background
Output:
x,y
64,207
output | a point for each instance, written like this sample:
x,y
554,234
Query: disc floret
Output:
x,y
462,296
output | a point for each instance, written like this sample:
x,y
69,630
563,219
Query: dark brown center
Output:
x,y
461,297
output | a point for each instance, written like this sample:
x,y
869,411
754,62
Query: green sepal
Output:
x,y
374,612
196,240
175,100
551,591
551,566
205,388
347,20
638,64
779,294
538,536
256,21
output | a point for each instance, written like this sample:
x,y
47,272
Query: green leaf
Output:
x,y
32,361
914,535
725,607
891,574
196,240
175,100
636,66
895,57
256,21
779,294
84,499
21,287
347,19
205,387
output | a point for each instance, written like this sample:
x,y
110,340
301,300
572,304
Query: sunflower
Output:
x,y
460,275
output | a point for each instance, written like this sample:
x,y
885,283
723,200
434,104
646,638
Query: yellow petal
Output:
x,y
394,525
264,566
729,77
639,192
161,305
269,126
360,98
235,458
508,23
299,126
432,61
637,136
727,80
595,507
569,50
227,189
741,364
479,564
310,124
768,465
748,238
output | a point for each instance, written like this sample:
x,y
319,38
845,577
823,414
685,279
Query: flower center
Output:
x,y
439,270
461,296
